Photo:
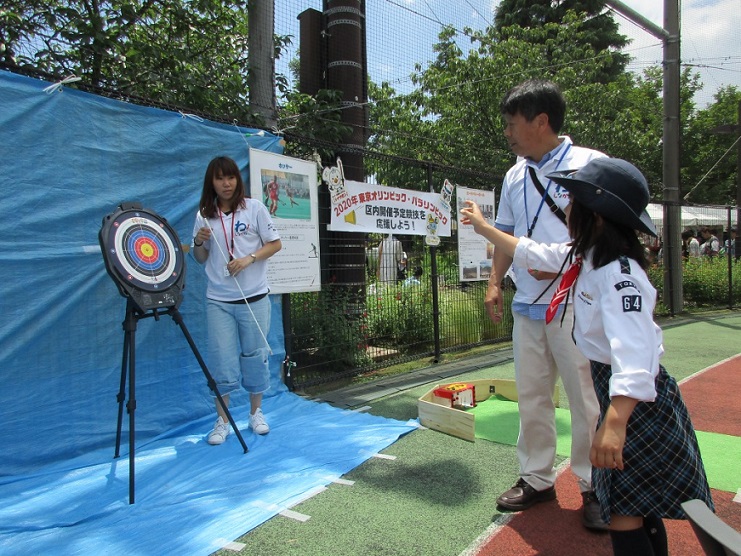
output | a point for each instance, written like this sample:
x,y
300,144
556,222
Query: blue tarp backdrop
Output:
x,y
68,159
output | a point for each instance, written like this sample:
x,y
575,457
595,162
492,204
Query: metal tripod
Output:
x,y
128,366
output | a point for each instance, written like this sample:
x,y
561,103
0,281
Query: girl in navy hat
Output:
x,y
645,454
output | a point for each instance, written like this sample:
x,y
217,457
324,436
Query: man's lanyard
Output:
x,y
542,199
229,243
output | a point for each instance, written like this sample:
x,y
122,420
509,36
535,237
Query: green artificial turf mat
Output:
x,y
498,420
721,465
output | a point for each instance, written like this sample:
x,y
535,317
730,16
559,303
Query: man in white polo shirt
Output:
x,y
531,205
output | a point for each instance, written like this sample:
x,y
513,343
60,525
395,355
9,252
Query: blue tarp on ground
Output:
x,y
191,498
68,159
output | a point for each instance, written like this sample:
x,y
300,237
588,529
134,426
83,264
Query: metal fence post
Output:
x,y
434,284
729,257
435,301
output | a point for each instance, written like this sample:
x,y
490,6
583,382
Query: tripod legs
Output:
x,y
128,365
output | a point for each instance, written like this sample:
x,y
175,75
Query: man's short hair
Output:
x,y
533,97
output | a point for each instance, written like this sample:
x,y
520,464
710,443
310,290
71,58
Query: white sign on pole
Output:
x,y
369,208
474,252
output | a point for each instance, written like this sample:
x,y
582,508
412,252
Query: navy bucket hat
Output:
x,y
612,188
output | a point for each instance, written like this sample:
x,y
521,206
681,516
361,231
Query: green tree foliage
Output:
x,y
184,53
191,54
317,118
600,31
453,116
711,177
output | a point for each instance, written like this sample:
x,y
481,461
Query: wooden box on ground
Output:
x,y
458,422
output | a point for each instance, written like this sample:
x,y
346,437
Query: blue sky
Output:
x,y
402,32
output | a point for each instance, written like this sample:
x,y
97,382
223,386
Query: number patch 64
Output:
x,y
631,303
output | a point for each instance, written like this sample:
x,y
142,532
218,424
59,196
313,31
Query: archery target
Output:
x,y
144,251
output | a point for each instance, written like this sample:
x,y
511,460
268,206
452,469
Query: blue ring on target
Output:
x,y
138,242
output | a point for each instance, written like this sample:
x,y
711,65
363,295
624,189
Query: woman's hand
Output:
x,y
609,440
471,214
235,266
607,447
203,235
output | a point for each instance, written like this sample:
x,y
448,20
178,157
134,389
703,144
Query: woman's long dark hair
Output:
x,y
609,239
220,166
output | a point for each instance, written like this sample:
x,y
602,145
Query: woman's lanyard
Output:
x,y
229,243
542,199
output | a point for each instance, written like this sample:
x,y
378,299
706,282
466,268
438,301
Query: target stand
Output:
x,y
143,256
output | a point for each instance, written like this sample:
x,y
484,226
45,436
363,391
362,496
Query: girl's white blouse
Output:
x,y
613,317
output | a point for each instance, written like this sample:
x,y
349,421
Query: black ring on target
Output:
x,y
143,255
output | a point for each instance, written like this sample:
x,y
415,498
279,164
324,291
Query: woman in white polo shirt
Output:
x,y
234,236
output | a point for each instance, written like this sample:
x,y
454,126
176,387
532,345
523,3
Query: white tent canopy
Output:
x,y
694,217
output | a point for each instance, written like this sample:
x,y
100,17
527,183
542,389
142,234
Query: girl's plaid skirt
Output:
x,y
662,463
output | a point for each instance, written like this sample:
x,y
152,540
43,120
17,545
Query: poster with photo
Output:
x,y
288,187
474,252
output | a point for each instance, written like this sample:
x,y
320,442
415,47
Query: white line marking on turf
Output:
x,y
384,456
295,515
309,494
500,523
230,545
706,369
344,482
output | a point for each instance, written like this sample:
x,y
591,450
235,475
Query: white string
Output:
x,y
713,168
192,116
226,260
277,131
58,85
244,136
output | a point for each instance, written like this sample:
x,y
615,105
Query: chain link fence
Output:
x,y
353,327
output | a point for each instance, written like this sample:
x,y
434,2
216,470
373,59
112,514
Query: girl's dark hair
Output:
x,y
610,240
220,166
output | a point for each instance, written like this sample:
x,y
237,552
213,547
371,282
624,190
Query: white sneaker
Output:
x,y
220,432
258,424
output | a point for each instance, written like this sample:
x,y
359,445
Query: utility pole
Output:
x,y
669,34
261,71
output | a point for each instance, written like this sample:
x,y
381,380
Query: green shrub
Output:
x,y
329,326
704,283
399,316
460,317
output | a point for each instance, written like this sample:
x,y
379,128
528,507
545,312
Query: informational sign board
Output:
x,y
369,208
474,252
288,187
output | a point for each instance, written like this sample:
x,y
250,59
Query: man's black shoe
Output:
x,y
522,496
591,517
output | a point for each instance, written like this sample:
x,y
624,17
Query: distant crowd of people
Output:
x,y
701,244
708,245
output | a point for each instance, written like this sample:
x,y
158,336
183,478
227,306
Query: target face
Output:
x,y
144,251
